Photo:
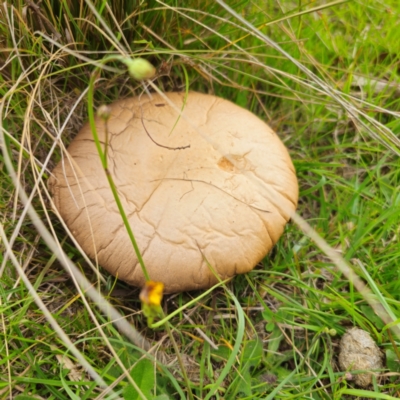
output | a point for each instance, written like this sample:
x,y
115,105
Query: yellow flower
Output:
x,y
151,296
152,293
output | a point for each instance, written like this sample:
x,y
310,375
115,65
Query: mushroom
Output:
x,y
206,191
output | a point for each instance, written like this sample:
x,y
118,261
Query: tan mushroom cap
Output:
x,y
222,202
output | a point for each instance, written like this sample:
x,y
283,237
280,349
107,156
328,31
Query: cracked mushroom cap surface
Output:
x,y
220,204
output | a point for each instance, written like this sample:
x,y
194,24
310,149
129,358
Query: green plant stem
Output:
x,y
126,223
104,163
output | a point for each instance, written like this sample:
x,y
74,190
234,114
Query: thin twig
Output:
x,y
158,144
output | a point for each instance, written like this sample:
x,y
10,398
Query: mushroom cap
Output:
x,y
220,204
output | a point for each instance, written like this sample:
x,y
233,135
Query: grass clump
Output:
x,y
270,334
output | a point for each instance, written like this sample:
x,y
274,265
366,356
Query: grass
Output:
x,y
273,333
